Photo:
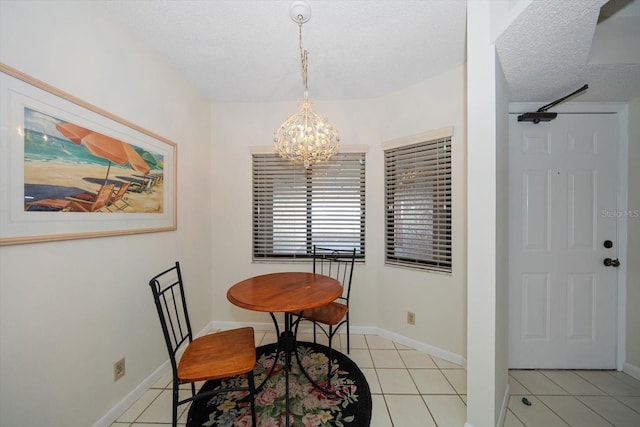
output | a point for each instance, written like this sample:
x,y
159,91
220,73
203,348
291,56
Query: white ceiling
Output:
x,y
247,50
554,47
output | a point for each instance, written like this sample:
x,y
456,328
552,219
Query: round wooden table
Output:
x,y
289,293
284,292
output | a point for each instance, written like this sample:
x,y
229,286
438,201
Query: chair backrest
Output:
x,y
336,263
168,294
103,196
123,189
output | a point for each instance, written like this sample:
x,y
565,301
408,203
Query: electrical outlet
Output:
x,y
411,318
118,370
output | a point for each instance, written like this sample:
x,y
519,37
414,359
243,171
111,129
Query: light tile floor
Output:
x,y
413,389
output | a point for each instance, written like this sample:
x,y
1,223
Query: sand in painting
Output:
x,y
54,178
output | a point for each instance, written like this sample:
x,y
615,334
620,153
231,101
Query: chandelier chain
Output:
x,y
304,136
304,59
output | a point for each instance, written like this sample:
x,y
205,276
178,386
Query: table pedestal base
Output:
x,y
287,345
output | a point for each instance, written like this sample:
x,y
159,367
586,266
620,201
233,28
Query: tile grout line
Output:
x,y
574,396
625,404
610,376
568,395
386,405
604,391
379,383
537,396
433,418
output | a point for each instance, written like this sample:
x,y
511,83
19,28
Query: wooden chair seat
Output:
x,y
218,355
330,314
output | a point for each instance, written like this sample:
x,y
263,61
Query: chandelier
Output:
x,y
305,137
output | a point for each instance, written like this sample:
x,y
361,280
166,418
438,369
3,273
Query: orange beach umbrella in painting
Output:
x,y
105,147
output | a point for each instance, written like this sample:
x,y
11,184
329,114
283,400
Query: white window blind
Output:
x,y
295,208
418,201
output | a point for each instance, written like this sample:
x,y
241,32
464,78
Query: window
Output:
x,y
295,208
418,202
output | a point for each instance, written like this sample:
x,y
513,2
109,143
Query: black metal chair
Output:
x,y
213,356
336,263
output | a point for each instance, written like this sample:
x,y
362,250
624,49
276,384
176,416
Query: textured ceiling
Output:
x,y
547,52
247,50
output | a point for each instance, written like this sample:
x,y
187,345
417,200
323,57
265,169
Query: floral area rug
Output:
x,y
350,406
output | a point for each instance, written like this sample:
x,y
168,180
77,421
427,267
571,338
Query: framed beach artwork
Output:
x,y
69,170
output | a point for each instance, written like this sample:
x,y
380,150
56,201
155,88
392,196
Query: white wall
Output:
x,y
633,242
486,105
69,310
502,243
381,295
437,299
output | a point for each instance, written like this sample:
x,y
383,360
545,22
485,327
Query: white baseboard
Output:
x,y
423,347
258,326
135,394
367,330
268,327
115,412
632,370
503,408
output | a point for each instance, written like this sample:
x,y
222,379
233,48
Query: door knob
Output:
x,y
608,262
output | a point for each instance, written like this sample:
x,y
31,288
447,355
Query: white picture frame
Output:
x,y
53,181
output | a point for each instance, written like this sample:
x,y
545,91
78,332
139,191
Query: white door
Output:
x,y
562,204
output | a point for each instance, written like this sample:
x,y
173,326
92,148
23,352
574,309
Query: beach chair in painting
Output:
x,y
145,183
49,204
139,185
150,181
117,200
88,202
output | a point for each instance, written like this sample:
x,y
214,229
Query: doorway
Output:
x,y
563,190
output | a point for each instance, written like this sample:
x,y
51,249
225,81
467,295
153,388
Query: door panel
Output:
x,y
536,203
582,209
535,303
581,315
563,176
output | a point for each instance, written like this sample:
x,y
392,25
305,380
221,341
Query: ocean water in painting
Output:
x,y
43,147
43,142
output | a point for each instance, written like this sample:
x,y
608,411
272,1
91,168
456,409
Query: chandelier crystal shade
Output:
x,y
305,137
